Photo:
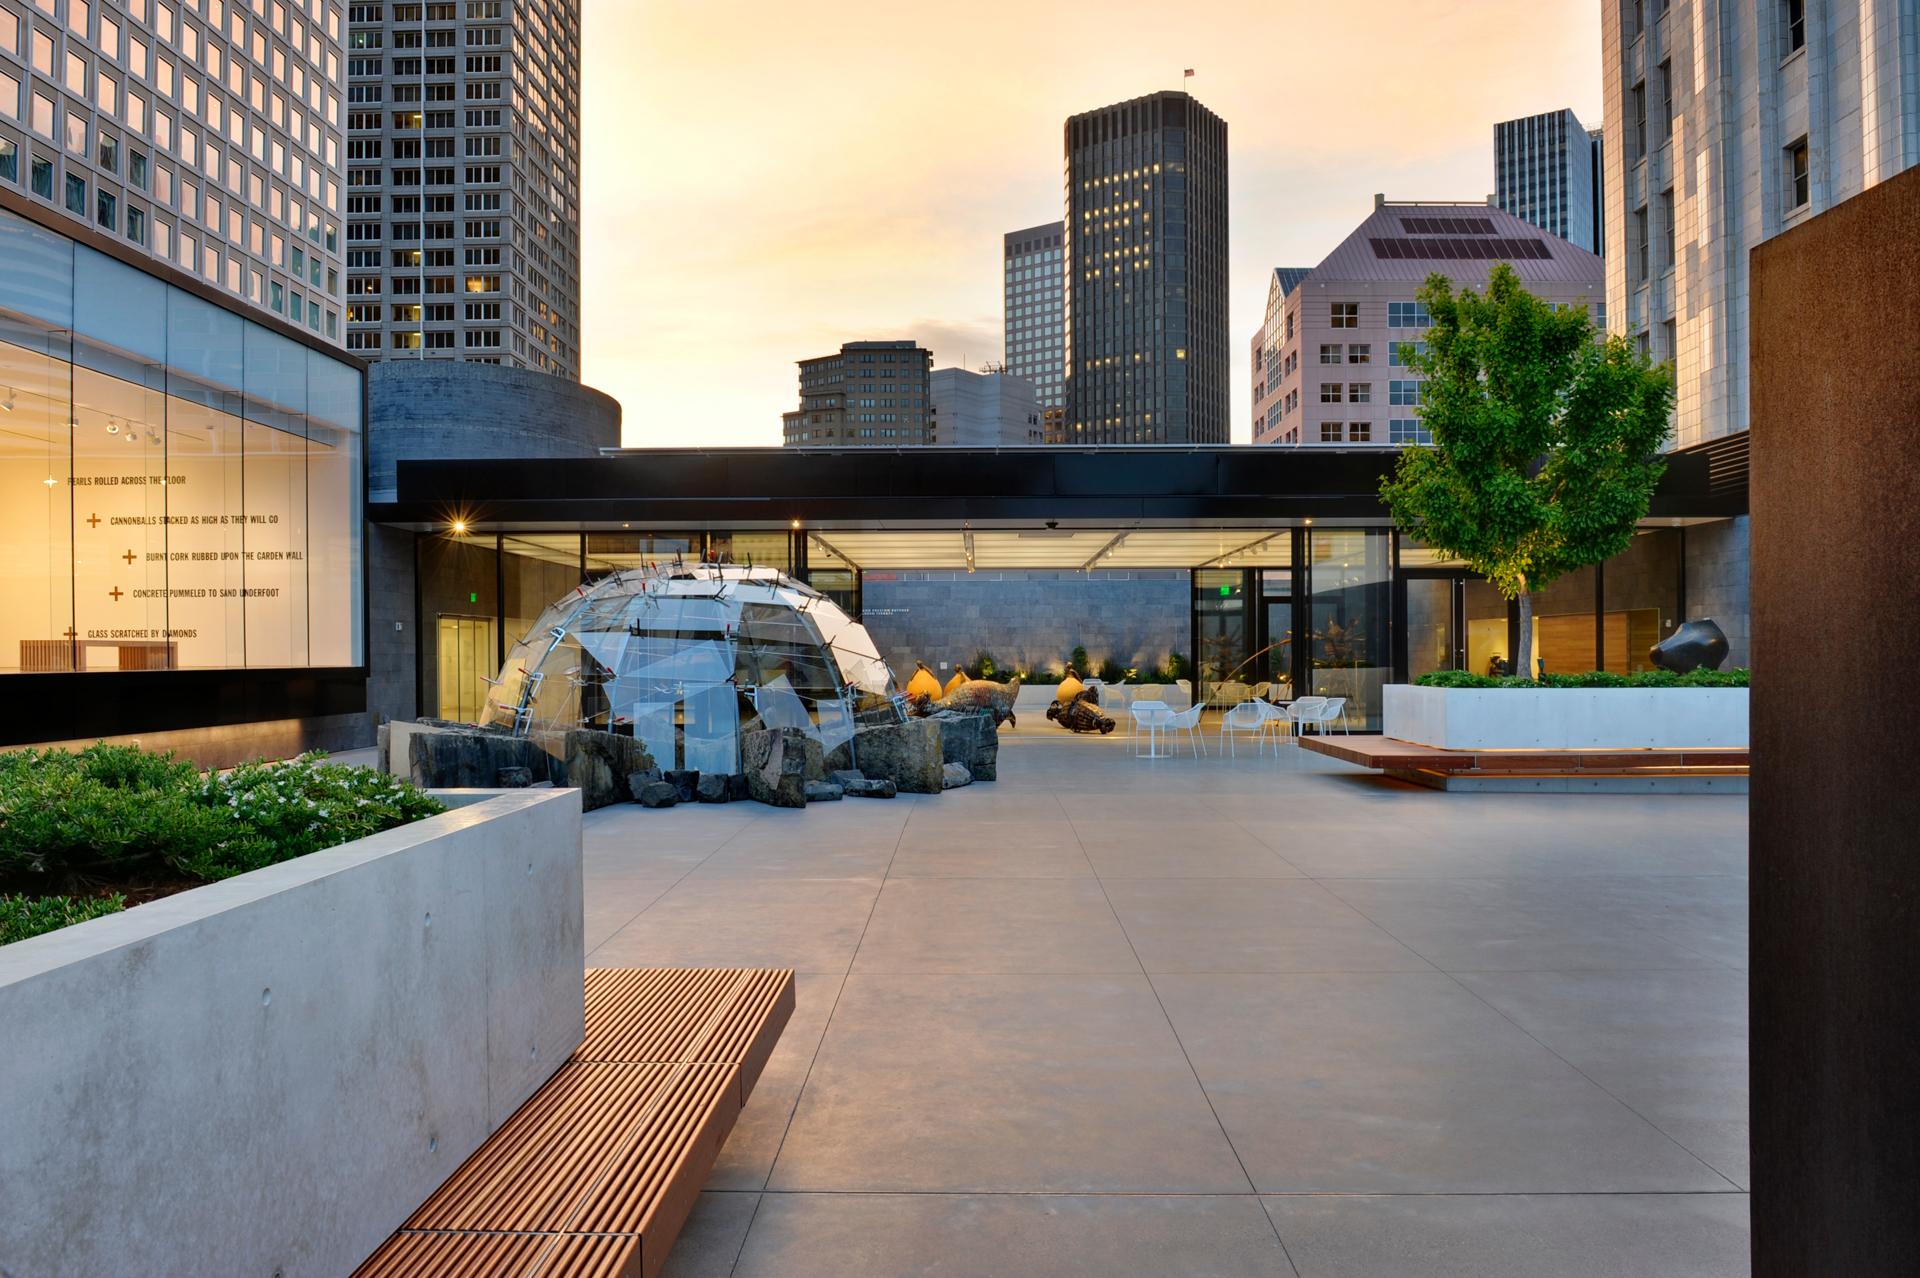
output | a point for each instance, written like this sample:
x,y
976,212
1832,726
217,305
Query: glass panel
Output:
x,y
1220,627
1276,664
1430,638
36,519
1563,632
611,552
182,494
1349,611
1486,613
1643,598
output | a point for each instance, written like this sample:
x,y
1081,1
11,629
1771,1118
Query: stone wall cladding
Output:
x,y
420,409
1717,582
1030,620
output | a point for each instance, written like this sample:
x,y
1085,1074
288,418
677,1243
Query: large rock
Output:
x,y
658,794
954,775
970,738
515,778
683,781
1694,646
776,766
712,788
907,754
869,788
737,789
472,760
599,763
636,780
823,792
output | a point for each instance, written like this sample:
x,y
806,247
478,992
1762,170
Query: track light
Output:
x,y
113,425
7,403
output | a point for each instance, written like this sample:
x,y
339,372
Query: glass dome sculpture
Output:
x,y
685,656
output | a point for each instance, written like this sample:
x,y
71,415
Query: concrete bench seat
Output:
x,y
594,1176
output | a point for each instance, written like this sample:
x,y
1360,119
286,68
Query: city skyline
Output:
x,y
706,278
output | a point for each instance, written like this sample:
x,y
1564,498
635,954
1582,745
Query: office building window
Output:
x,y
1408,315
1403,392
9,161
1666,228
1360,392
76,194
1330,354
1640,120
1329,432
1330,392
1799,190
1360,353
1640,245
1407,430
1398,352
1666,100
1345,315
1796,22
1360,432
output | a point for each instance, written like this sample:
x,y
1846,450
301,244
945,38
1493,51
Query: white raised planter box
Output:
x,y
1567,718
266,1075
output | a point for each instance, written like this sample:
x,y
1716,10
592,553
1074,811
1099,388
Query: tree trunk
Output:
x,y
1523,653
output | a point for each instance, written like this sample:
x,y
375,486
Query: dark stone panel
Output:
x,y
1836,639
83,707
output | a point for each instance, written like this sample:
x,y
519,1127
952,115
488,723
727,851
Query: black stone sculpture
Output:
x,y
1694,646
1081,714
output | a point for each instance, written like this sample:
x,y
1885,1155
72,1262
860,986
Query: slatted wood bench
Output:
x,y
1435,765
594,1176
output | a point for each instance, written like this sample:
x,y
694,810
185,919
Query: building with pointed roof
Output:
x,y
1266,357
1343,328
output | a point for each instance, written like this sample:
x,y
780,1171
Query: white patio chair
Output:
x,y
1320,717
1244,719
1302,713
1272,718
1188,721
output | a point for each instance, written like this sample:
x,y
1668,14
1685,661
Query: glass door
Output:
x,y
1433,630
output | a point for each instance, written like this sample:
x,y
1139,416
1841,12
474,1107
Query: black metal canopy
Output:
x,y
933,488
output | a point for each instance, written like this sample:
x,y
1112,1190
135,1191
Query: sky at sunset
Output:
x,y
764,181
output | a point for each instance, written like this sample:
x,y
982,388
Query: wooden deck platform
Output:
x,y
1434,766
594,1176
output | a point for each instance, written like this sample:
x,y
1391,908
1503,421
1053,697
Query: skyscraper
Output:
x,y
463,182
1034,281
204,137
1544,174
1147,351
1714,153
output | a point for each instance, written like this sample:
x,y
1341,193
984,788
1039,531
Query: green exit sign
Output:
x,y
1225,591
473,596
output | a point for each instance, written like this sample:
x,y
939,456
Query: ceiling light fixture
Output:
x,y
459,527
113,425
7,403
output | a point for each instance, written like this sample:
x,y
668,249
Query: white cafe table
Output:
x,y
1153,716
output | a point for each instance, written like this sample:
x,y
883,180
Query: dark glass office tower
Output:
x,y
1146,322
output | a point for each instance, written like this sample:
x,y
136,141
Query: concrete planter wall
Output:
x,y
1567,718
268,1074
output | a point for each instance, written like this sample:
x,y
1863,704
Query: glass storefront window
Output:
x,y
1350,610
182,487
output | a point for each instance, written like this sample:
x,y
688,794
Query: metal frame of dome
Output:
x,y
684,656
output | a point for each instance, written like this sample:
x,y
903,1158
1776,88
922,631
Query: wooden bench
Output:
x,y
1435,766
594,1176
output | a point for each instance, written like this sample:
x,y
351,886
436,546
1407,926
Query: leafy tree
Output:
x,y
1545,441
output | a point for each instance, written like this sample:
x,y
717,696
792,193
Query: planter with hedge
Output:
x,y
88,833
1597,710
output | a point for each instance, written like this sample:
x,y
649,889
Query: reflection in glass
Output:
x,y
1350,603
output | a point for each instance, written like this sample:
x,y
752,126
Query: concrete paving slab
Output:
x,y
994,925
1251,925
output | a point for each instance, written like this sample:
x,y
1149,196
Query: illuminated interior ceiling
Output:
x,y
1074,548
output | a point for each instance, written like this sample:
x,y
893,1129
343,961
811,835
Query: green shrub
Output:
x,y
114,814
24,916
1111,672
1735,678
1079,660
985,666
